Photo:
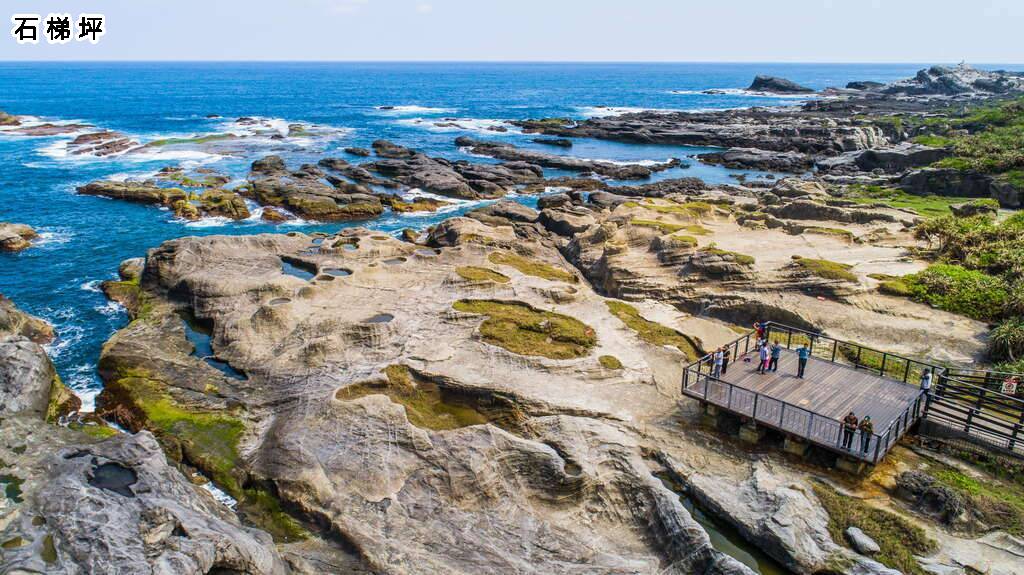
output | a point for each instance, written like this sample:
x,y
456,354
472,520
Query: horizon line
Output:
x,y
399,61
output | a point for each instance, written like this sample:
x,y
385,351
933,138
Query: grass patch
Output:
x,y
924,206
426,404
1000,506
609,362
663,227
685,240
899,539
933,141
652,332
742,259
827,269
693,209
532,267
525,330
834,232
478,274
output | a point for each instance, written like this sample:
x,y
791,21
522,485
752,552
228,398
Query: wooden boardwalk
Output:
x,y
828,389
811,408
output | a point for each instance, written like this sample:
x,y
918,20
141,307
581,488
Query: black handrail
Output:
x,y
896,429
951,383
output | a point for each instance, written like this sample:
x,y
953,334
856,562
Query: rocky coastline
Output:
x,y
500,392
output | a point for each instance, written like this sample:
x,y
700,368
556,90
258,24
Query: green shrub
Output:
x,y
959,290
1006,341
827,269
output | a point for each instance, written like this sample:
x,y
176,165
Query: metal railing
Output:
x,y
977,413
700,383
888,365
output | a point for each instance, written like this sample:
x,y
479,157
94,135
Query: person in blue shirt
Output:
x,y
773,365
802,354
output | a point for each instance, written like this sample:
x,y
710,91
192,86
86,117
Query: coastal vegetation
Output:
x,y
479,274
826,269
926,206
522,329
987,139
531,267
426,405
899,540
653,332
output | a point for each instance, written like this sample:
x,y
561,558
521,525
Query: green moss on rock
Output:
x,y
532,267
652,332
525,330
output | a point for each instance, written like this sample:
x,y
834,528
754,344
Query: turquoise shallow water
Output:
x,y
85,238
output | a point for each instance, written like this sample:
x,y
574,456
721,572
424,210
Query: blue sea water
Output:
x,y
85,238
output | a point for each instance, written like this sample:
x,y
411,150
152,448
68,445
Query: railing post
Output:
x,y
754,414
906,372
810,423
878,444
885,356
835,348
789,340
728,401
782,414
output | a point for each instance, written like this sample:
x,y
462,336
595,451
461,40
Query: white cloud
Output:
x,y
424,8
342,6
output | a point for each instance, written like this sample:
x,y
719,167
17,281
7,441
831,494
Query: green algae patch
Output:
x,y
652,332
478,274
827,269
892,285
609,362
12,487
131,295
899,539
206,440
13,543
196,140
262,508
95,431
427,405
532,267
692,209
62,401
48,553
525,330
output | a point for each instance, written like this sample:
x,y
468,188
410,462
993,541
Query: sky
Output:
x,y
918,31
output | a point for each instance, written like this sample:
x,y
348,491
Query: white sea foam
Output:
x,y
400,110
454,203
604,111
220,495
210,222
56,237
92,286
485,126
82,380
110,309
67,337
744,93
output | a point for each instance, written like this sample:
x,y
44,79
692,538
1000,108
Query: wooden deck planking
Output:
x,y
828,389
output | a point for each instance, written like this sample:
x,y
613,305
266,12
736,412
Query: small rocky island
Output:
x,y
500,392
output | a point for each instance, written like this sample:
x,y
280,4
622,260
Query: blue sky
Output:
x,y
980,31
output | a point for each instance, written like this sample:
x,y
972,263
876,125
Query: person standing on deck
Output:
x,y
726,355
764,356
716,366
867,428
773,364
849,427
926,385
802,355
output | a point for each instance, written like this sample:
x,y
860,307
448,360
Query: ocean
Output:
x,y
85,238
